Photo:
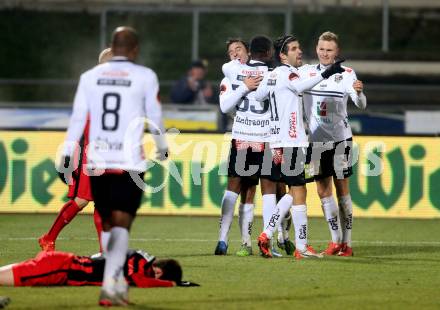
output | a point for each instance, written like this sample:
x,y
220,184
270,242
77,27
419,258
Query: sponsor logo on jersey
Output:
x,y
274,130
338,78
105,145
293,76
252,122
271,82
322,85
115,73
252,72
312,73
321,108
292,125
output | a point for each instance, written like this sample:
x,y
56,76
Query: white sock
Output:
x,y
269,205
115,258
105,237
331,214
299,218
346,208
281,210
246,216
228,206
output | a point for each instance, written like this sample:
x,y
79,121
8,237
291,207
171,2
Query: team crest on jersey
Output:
x,y
293,76
292,125
338,78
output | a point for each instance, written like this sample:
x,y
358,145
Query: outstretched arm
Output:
x,y
145,282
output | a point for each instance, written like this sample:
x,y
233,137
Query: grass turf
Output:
x,y
396,266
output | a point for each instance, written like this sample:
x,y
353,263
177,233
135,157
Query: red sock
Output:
x,y
98,225
66,214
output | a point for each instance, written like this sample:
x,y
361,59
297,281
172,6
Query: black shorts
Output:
x,y
250,161
335,161
113,191
289,165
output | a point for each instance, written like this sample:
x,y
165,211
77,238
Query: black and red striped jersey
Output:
x,y
138,270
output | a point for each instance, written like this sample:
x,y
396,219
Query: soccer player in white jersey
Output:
x,y
238,49
289,140
326,114
250,131
117,96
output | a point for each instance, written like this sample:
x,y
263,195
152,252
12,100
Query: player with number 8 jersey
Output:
x,y
118,97
117,94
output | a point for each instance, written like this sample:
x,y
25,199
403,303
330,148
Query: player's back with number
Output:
x,y
117,94
251,118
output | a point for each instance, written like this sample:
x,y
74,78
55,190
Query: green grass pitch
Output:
x,y
396,266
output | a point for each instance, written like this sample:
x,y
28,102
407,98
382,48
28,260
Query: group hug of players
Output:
x,y
290,127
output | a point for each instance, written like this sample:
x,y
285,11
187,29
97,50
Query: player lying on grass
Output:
x,y
67,269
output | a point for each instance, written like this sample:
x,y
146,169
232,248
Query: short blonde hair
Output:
x,y
105,55
329,36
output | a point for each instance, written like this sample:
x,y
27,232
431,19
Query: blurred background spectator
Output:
x,y
193,88
392,45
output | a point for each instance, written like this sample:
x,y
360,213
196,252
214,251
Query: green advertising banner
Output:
x,y
393,177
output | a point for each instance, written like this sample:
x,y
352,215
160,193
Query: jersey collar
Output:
x,y
255,63
119,58
321,67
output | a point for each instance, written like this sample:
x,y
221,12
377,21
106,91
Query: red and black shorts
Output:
x,y
335,160
117,190
250,161
289,164
46,269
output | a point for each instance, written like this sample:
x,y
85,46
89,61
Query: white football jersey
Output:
x,y
251,121
116,96
283,87
326,104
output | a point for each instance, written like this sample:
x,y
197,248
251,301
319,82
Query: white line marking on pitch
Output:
x,y
376,242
